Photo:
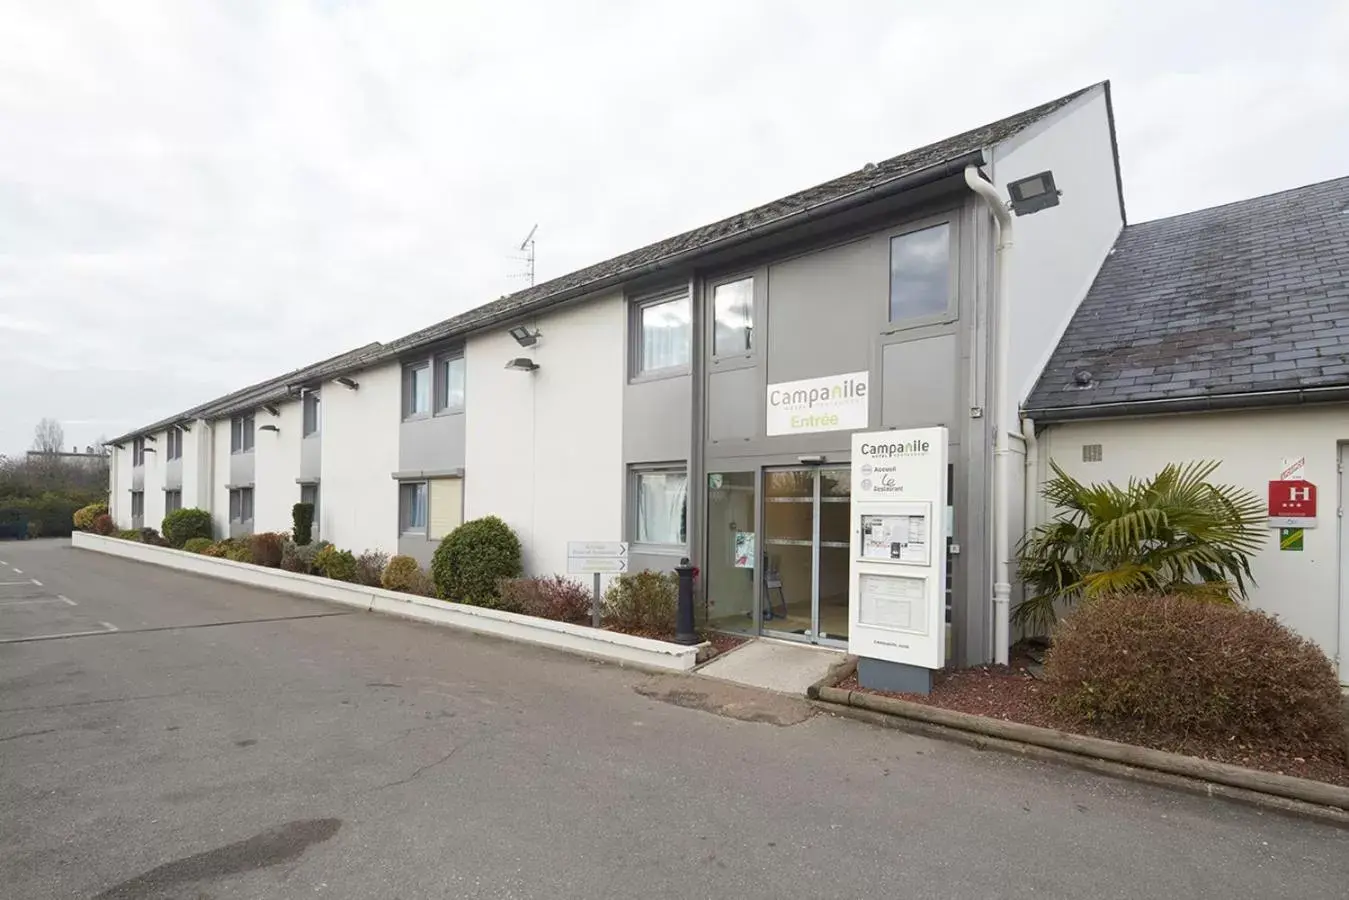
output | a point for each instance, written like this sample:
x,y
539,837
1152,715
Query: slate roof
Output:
x,y
1248,297
255,395
637,263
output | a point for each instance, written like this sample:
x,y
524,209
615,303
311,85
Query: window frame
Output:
x,y
636,342
440,384
746,357
409,368
311,401
137,452
635,473
242,432
170,493
952,311
404,526
237,504
173,443
138,499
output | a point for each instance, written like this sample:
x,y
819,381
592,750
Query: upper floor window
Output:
x,y
241,434
449,378
416,389
138,452
664,335
311,413
920,274
733,317
173,443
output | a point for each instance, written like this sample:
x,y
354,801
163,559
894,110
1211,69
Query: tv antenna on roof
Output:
x,y
527,245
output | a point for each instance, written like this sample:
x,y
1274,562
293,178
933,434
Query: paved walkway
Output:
x,y
774,665
226,742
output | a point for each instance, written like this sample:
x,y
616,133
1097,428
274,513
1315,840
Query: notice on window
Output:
x,y
897,538
898,602
744,549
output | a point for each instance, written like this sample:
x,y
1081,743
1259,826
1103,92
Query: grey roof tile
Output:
x,y
1246,297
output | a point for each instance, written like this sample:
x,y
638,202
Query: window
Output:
x,y
661,506
311,413
416,390
412,506
173,500
138,452
447,506
449,384
920,274
241,505
174,443
241,434
137,504
664,335
733,317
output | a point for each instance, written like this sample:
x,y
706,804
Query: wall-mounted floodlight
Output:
x,y
524,336
522,364
151,438
185,425
273,410
347,383
269,428
1033,194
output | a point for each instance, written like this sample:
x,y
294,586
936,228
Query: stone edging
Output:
x,y
1066,747
610,645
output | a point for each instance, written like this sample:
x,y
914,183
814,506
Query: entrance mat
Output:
x,y
774,665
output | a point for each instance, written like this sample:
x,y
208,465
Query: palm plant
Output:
x,y
1171,533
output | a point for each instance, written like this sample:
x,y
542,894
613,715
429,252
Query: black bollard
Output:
x,y
684,633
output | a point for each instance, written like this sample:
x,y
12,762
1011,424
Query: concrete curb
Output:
x,y
1090,752
613,646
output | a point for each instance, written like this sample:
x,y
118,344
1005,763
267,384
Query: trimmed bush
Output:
x,y
302,518
370,567
404,574
266,547
103,525
218,549
150,536
290,557
128,534
1180,667
306,556
239,552
555,597
339,565
473,559
49,515
182,525
642,603
85,515
197,544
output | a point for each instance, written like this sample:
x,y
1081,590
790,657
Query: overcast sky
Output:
x,y
195,196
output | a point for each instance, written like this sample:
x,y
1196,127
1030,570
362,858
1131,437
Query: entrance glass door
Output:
x,y
805,554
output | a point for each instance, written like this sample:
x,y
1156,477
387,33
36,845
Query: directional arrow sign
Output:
x,y
596,565
592,549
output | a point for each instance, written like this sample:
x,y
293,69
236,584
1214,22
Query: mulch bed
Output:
x,y
1010,693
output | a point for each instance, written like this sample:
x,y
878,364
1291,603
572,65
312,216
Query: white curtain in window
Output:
x,y
661,499
666,335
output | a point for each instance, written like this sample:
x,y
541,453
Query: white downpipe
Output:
x,y
1002,582
1032,482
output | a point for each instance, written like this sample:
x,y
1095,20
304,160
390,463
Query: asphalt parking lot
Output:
x,y
164,735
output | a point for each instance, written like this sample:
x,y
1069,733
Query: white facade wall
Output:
x,y
276,465
194,462
1058,251
220,495
543,450
155,464
1301,588
119,498
358,499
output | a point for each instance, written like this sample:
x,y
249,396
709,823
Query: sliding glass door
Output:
x,y
804,582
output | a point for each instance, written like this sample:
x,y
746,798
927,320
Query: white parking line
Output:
x,y
18,571
64,599
108,628
30,600
36,582
16,582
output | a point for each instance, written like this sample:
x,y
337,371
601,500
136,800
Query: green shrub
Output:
x,y
1173,533
219,549
49,515
103,525
197,544
642,603
265,548
1181,666
85,515
239,553
290,557
306,556
370,567
182,525
473,558
302,518
404,574
150,536
128,534
34,530
339,565
555,597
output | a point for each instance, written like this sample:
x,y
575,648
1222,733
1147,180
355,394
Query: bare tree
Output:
x,y
49,437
